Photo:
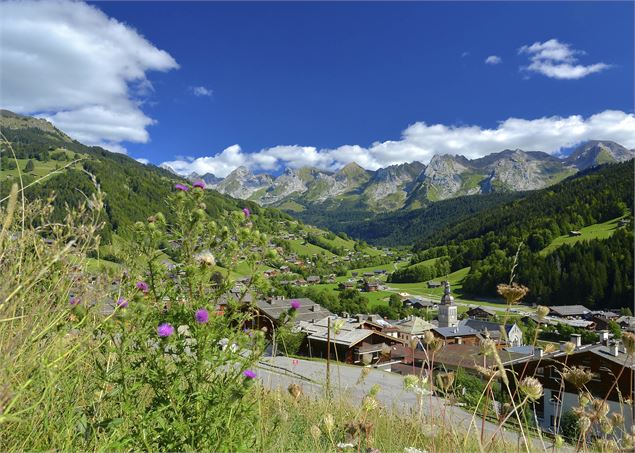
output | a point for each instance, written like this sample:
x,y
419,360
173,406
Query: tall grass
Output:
x,y
149,364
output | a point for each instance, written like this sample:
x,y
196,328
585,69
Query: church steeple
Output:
x,y
447,309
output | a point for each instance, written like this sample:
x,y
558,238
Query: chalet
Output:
x,y
481,312
569,311
379,271
370,287
368,274
450,357
573,233
330,278
285,269
413,328
413,302
626,322
460,334
348,343
270,273
313,280
434,284
301,282
270,311
354,274
346,285
613,378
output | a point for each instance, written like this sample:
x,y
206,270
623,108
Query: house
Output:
x,y
270,273
513,335
573,233
370,287
481,312
606,360
368,274
626,322
569,311
285,269
348,343
434,284
450,357
413,328
413,302
459,334
379,271
313,280
346,285
270,311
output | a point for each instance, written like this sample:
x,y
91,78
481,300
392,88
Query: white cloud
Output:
x,y
201,91
420,141
558,60
72,64
143,161
493,59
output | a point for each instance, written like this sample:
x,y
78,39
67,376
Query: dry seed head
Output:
x,y
295,390
489,373
549,348
617,419
577,376
542,311
488,347
600,407
585,423
410,382
363,374
315,432
628,338
513,293
329,422
369,404
531,388
569,348
428,337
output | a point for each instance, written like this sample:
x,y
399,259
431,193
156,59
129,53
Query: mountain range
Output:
x,y
412,185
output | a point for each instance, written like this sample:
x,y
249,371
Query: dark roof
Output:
x,y
489,311
569,310
456,355
458,331
492,327
308,311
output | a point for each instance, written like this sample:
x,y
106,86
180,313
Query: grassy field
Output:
x,y
39,168
595,231
302,248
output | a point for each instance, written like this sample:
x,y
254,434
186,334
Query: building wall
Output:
x,y
570,400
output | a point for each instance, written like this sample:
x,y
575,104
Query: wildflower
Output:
x,y
199,184
410,382
295,304
577,376
74,300
205,258
369,403
247,212
181,187
122,303
532,388
201,316
142,286
249,374
165,330
629,343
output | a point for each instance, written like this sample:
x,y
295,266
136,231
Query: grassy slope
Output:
x,y
595,231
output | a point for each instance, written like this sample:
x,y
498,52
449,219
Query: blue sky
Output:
x,y
304,79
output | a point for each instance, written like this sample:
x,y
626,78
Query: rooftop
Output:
x,y
569,310
308,311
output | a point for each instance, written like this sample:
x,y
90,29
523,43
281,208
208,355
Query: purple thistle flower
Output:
x,y
122,303
142,286
165,330
201,316
247,212
181,187
74,301
249,374
295,304
199,184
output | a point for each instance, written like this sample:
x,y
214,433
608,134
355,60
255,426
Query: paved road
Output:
x,y
280,372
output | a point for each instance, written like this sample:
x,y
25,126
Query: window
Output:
x,y
540,371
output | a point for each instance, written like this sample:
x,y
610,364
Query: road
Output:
x,y
280,372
